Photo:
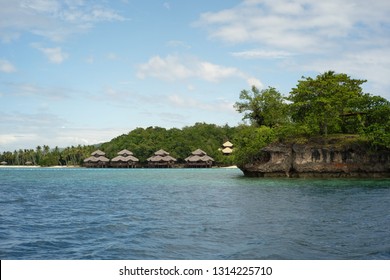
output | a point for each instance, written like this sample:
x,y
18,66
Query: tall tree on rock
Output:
x,y
322,102
265,107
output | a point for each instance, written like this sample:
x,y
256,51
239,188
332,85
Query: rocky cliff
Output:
x,y
319,160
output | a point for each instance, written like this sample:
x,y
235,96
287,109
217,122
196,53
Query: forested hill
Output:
x,y
143,142
178,142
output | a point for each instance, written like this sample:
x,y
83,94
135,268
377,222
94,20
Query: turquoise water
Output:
x,y
189,214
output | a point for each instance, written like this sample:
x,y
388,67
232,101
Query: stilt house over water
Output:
x,y
124,159
97,159
161,159
199,159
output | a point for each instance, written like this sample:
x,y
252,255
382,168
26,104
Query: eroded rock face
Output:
x,y
294,160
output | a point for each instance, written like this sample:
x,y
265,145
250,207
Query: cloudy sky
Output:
x,y
82,72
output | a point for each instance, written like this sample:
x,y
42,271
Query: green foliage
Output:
x,y
328,104
377,122
323,102
266,107
325,107
178,142
143,142
249,141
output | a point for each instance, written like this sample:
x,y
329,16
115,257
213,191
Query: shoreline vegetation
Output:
x,y
327,113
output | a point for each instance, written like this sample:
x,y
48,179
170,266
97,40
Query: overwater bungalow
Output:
x,y
125,159
199,159
97,159
227,148
161,159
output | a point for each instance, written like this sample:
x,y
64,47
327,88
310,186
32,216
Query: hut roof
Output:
x,y
199,152
227,144
207,158
125,153
168,158
98,153
196,158
199,155
3,163
161,152
161,155
227,150
125,159
96,159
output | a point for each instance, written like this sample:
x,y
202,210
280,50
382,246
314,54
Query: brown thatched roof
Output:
x,y
161,156
199,156
125,153
125,156
227,150
161,152
125,159
227,144
97,159
98,153
199,152
97,156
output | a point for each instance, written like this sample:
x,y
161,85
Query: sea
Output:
x,y
189,214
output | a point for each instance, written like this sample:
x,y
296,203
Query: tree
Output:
x,y
249,142
265,107
322,102
377,121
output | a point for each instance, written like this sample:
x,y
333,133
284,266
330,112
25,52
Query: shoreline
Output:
x,y
38,166
77,166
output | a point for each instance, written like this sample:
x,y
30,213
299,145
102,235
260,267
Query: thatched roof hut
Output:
x,y
97,159
161,158
199,158
227,148
125,158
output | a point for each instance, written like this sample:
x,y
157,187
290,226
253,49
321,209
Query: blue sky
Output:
x,y
82,72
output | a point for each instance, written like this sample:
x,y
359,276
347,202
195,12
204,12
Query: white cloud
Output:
x,y
372,64
52,19
6,66
254,82
26,131
172,68
30,89
169,68
348,36
260,54
299,25
54,55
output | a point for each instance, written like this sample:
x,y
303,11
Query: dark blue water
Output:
x,y
189,214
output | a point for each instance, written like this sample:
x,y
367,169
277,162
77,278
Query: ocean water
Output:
x,y
189,214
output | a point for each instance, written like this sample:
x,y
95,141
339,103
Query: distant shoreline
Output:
x,y
38,166
77,166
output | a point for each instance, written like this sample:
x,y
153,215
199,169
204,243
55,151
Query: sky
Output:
x,y
83,72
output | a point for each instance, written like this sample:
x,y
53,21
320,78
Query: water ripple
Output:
x,y
189,214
